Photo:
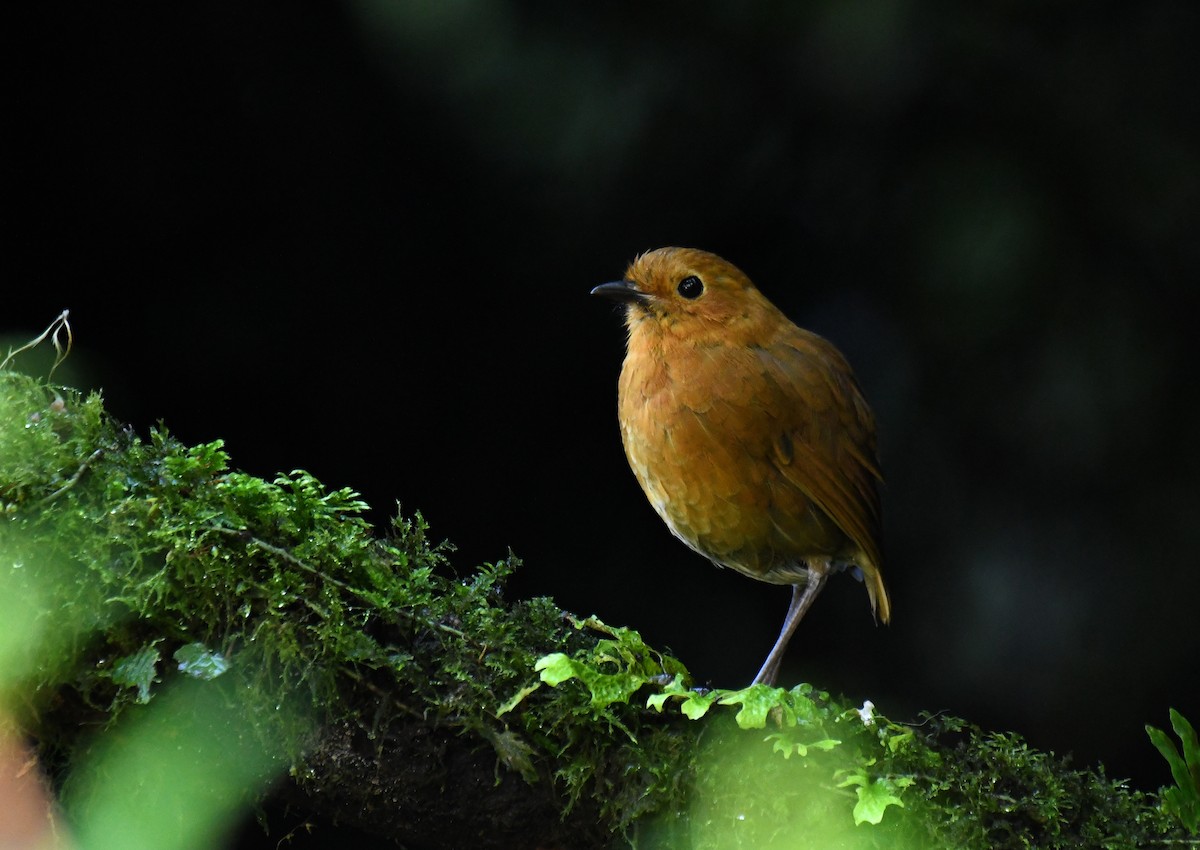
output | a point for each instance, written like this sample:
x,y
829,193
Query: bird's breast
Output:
x,y
706,434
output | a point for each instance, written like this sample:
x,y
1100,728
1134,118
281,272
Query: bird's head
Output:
x,y
691,294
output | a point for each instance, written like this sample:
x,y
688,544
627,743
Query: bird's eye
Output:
x,y
690,287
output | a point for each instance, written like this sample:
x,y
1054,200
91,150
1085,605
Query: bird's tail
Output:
x,y
863,569
881,606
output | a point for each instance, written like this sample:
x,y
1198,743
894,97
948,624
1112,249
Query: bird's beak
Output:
x,y
620,290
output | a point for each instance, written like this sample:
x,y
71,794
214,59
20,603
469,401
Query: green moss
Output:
x,y
825,770
138,556
128,565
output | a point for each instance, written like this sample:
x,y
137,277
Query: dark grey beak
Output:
x,y
620,290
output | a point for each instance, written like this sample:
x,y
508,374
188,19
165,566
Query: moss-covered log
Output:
x,y
390,692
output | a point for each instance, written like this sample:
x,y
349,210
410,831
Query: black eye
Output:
x,y
690,287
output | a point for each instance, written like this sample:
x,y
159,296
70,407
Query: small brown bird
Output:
x,y
749,435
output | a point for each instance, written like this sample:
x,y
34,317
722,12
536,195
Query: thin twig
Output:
x,y
74,479
296,562
56,327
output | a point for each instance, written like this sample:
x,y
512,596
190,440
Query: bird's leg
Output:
x,y
802,597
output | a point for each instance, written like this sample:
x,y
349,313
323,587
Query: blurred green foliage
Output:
x,y
180,774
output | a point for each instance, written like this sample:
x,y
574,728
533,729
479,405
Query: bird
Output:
x,y
750,436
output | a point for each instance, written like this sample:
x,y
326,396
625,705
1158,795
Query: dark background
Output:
x,y
359,239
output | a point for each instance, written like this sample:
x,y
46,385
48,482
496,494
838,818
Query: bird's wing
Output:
x,y
826,442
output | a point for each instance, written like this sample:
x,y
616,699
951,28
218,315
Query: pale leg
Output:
x,y
802,597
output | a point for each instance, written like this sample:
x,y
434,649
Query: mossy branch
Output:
x,y
413,708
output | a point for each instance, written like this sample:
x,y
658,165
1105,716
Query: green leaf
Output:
x,y
656,701
556,668
138,671
605,688
697,704
899,740
199,662
782,743
694,703
608,688
515,752
1184,799
511,703
875,795
1191,744
756,702
825,744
